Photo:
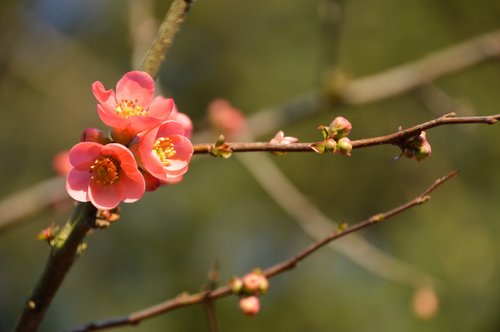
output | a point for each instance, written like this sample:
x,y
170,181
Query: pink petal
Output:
x,y
183,147
131,186
142,123
161,108
170,127
104,197
122,154
110,118
77,184
136,85
83,154
103,96
185,121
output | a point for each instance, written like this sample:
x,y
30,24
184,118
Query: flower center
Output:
x,y
105,170
130,108
164,150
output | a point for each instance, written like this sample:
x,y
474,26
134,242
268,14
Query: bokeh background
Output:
x,y
257,54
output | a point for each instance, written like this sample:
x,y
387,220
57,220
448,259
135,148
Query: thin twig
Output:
x,y
316,224
63,254
185,299
395,138
165,36
209,305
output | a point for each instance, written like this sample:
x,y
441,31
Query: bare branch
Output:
x,y
395,138
185,299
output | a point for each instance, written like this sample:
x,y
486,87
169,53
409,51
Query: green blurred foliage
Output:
x,y
257,54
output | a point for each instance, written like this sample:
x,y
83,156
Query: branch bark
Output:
x,y
184,300
395,139
63,254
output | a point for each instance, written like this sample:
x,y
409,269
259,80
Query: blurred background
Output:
x,y
257,54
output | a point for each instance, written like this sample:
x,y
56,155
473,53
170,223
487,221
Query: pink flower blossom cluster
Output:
x,y
149,145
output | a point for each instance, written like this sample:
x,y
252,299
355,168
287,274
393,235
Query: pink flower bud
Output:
x,y
250,305
255,283
417,147
344,146
152,183
94,135
340,127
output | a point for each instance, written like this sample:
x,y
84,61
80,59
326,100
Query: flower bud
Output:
x,y
250,305
328,145
94,135
255,283
423,151
344,146
340,127
236,285
280,138
48,234
152,183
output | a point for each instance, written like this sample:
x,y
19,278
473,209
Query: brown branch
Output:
x,y
165,36
185,299
62,256
395,138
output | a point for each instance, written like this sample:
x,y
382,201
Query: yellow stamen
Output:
x,y
164,150
105,170
130,108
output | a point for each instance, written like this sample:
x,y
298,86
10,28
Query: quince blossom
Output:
x,y
132,108
104,175
183,119
164,151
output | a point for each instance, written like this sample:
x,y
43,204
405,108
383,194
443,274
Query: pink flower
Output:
x,y
164,151
183,119
132,109
223,116
104,175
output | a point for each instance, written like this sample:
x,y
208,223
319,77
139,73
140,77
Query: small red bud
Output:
x,y
152,183
250,305
48,234
94,135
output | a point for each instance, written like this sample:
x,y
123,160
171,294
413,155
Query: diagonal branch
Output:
x,y
165,36
63,254
185,299
395,139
